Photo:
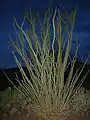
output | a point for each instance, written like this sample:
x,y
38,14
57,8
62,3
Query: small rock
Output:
x,y
13,111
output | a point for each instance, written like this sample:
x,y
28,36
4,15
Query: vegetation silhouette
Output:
x,y
13,72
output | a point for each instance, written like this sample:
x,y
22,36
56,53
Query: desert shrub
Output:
x,y
46,91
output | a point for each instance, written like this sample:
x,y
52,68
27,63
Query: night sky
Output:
x,y
11,8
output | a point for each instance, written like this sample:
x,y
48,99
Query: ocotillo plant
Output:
x,y
48,94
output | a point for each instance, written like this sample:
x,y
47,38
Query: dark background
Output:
x,y
11,8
